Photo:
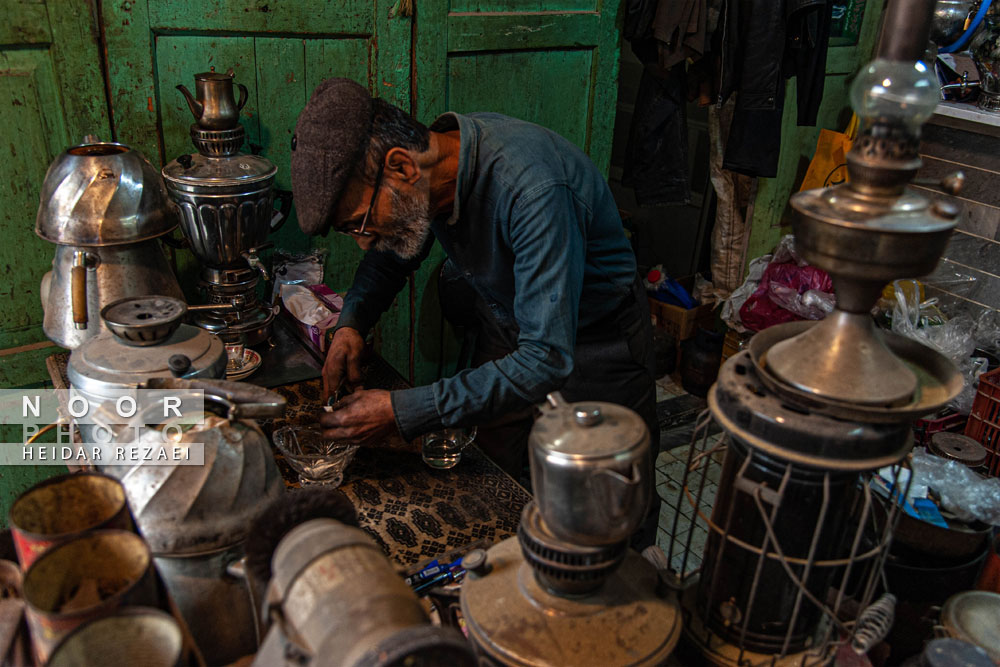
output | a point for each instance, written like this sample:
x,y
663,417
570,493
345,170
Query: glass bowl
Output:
x,y
318,460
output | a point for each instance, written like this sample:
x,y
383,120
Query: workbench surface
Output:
x,y
412,511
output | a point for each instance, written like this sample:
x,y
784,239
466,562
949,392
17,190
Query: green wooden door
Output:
x,y
551,62
280,50
53,94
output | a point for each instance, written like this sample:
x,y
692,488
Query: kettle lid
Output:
x,y
105,363
201,171
587,430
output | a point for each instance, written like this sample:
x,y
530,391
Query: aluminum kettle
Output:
x,y
589,470
214,106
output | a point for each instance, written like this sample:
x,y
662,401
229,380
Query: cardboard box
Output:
x,y
314,336
682,323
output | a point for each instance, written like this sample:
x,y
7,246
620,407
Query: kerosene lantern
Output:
x,y
797,537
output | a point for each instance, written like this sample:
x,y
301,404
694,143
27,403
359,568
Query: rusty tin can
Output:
x,y
87,577
64,507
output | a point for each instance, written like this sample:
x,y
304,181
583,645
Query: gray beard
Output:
x,y
411,226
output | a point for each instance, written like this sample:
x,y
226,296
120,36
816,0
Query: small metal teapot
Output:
x,y
215,108
590,466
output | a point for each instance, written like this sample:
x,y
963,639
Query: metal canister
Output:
x,y
131,636
590,470
339,602
85,578
61,508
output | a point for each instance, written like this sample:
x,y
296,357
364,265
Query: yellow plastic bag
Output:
x,y
829,163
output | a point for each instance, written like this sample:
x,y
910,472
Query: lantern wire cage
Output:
x,y
847,613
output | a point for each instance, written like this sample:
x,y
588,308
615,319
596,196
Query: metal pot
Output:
x,y
84,280
215,108
106,367
588,470
195,517
949,19
226,204
102,194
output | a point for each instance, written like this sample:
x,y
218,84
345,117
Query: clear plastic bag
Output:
x,y
963,493
987,333
731,306
304,268
953,338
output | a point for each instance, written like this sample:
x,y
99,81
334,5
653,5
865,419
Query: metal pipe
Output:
x,y
906,28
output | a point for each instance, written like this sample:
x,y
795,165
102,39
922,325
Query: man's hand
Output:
x,y
363,417
343,361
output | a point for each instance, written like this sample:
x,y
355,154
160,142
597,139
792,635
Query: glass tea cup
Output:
x,y
316,459
443,449
234,356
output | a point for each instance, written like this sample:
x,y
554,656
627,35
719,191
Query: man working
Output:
x,y
524,217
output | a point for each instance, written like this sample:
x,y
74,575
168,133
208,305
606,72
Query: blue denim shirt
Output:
x,y
536,232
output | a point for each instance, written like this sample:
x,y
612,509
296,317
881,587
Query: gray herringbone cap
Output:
x,y
331,135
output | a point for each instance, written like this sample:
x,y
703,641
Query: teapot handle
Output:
x,y
627,487
280,216
244,94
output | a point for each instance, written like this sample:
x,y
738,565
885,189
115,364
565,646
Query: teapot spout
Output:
x,y
197,108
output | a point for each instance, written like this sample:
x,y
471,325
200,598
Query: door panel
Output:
x,y
564,75
27,85
263,16
551,62
480,6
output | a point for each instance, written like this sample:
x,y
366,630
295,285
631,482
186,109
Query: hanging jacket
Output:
x,y
762,43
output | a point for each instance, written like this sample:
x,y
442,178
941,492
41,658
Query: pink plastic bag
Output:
x,y
808,291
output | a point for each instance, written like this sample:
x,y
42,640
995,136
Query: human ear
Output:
x,y
400,165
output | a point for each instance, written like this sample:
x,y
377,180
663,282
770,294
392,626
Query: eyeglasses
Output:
x,y
360,231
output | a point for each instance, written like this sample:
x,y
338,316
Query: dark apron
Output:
x,y
613,362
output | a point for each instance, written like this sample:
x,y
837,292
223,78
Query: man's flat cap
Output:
x,y
331,135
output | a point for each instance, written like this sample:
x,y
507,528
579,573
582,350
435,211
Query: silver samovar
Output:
x,y
226,200
104,206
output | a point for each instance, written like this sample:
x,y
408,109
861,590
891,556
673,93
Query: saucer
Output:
x,y
251,362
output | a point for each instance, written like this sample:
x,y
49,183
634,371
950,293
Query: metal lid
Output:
x,y
144,320
103,194
958,447
973,616
587,430
105,363
204,171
